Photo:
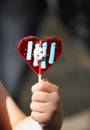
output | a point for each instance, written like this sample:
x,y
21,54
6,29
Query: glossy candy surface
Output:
x,y
40,54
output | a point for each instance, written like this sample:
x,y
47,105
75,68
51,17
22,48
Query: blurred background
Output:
x,y
67,20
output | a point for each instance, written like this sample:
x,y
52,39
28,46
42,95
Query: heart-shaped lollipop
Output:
x,y
40,54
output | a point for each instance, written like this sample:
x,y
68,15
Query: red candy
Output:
x,y
40,54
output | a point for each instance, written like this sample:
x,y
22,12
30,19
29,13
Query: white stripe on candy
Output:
x,y
29,50
35,62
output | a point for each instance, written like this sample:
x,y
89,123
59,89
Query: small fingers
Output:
x,y
38,107
42,118
40,96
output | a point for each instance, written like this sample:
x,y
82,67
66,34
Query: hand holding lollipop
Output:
x,y
40,55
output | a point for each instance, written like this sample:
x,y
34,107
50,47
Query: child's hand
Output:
x,y
46,108
46,105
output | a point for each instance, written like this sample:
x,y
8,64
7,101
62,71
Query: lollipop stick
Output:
x,y
39,77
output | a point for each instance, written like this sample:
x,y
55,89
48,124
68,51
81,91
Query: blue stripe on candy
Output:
x,y
43,63
29,50
52,53
35,62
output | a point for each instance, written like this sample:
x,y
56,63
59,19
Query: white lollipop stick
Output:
x,y
39,77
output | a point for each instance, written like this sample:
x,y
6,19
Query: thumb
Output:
x,y
43,86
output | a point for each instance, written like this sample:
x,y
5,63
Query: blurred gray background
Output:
x,y
71,72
